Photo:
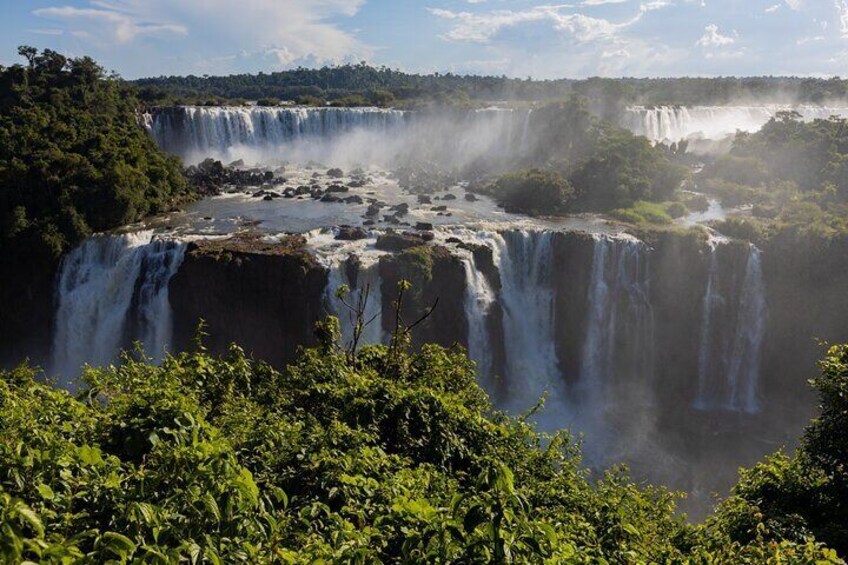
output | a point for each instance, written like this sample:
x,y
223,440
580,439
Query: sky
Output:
x,y
517,38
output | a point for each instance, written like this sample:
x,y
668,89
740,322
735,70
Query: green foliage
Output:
x,y
74,157
533,191
376,456
794,173
623,169
608,96
796,498
644,213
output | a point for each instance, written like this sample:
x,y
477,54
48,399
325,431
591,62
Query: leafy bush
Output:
x,y
534,192
643,213
676,209
376,455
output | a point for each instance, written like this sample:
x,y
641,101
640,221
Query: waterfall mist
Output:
x,y
341,136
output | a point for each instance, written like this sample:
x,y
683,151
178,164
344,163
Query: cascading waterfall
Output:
x,y
732,333
213,130
479,298
113,290
338,135
674,123
620,325
367,277
525,260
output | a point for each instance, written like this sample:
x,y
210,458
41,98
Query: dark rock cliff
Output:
x,y
264,296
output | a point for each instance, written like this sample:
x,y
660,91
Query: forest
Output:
x,y
378,454
362,84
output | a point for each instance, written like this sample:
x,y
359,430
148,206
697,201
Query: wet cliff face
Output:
x,y
435,274
265,297
26,309
807,282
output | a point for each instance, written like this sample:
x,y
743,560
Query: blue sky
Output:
x,y
519,38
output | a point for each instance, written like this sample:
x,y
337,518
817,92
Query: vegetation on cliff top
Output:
x,y
74,157
793,174
375,455
582,163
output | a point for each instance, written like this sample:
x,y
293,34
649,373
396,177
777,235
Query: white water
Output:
x,y
525,260
113,290
365,292
340,136
668,124
620,324
213,130
732,332
479,297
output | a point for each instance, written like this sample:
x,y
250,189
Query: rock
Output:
x,y
368,223
267,197
335,173
439,208
355,199
424,199
423,226
238,163
389,219
348,233
400,210
471,197
269,175
449,197
373,210
330,198
392,241
454,240
337,188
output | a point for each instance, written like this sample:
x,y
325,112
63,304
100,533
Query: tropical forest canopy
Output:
x,y
362,83
375,455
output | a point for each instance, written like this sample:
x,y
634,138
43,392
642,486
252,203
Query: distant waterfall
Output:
x,y
479,298
525,259
113,290
213,130
620,325
338,135
674,123
367,277
732,332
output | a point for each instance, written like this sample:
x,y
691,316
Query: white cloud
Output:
x,y
122,27
601,2
794,4
773,8
805,40
713,38
482,27
289,30
842,12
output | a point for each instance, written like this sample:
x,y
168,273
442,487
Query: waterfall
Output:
x,y
712,299
214,130
479,298
525,260
674,123
620,324
732,331
353,136
744,371
113,290
367,276
524,146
